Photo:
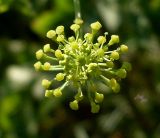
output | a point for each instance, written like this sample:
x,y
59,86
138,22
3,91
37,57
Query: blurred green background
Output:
x,y
26,113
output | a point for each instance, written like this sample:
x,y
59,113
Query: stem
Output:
x,y
77,9
78,18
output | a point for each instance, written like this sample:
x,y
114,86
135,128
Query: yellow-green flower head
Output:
x,y
39,54
51,34
74,105
60,76
101,39
46,83
46,66
60,30
37,65
114,40
57,92
81,60
46,48
96,26
124,48
75,27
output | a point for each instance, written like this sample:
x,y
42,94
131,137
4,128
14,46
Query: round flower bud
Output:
x,y
74,105
96,26
46,83
121,73
110,64
60,38
127,66
37,65
74,27
60,77
114,55
113,82
51,34
99,97
60,30
78,21
71,39
46,48
58,53
116,88
88,36
114,40
39,54
95,108
124,48
101,39
114,85
57,92
96,45
100,52
48,93
46,66
74,45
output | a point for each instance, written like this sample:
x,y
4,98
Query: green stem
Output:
x,y
77,9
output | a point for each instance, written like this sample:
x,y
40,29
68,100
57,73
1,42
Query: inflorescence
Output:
x,y
81,61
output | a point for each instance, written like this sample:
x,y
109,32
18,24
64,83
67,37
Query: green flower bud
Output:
x,y
98,97
78,21
96,45
110,64
74,105
46,48
113,82
114,85
60,30
127,66
58,53
114,55
37,65
74,45
121,73
96,26
95,108
101,39
46,66
46,83
48,93
57,92
114,40
124,48
88,36
60,38
116,88
39,54
100,52
51,34
75,27
60,77
71,39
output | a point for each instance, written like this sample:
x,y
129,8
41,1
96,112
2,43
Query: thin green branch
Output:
x,y
77,9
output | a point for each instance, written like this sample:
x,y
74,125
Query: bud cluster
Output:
x,y
80,61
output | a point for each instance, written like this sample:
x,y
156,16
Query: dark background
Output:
x,y
26,113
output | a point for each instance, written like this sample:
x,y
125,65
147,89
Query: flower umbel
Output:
x,y
81,61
